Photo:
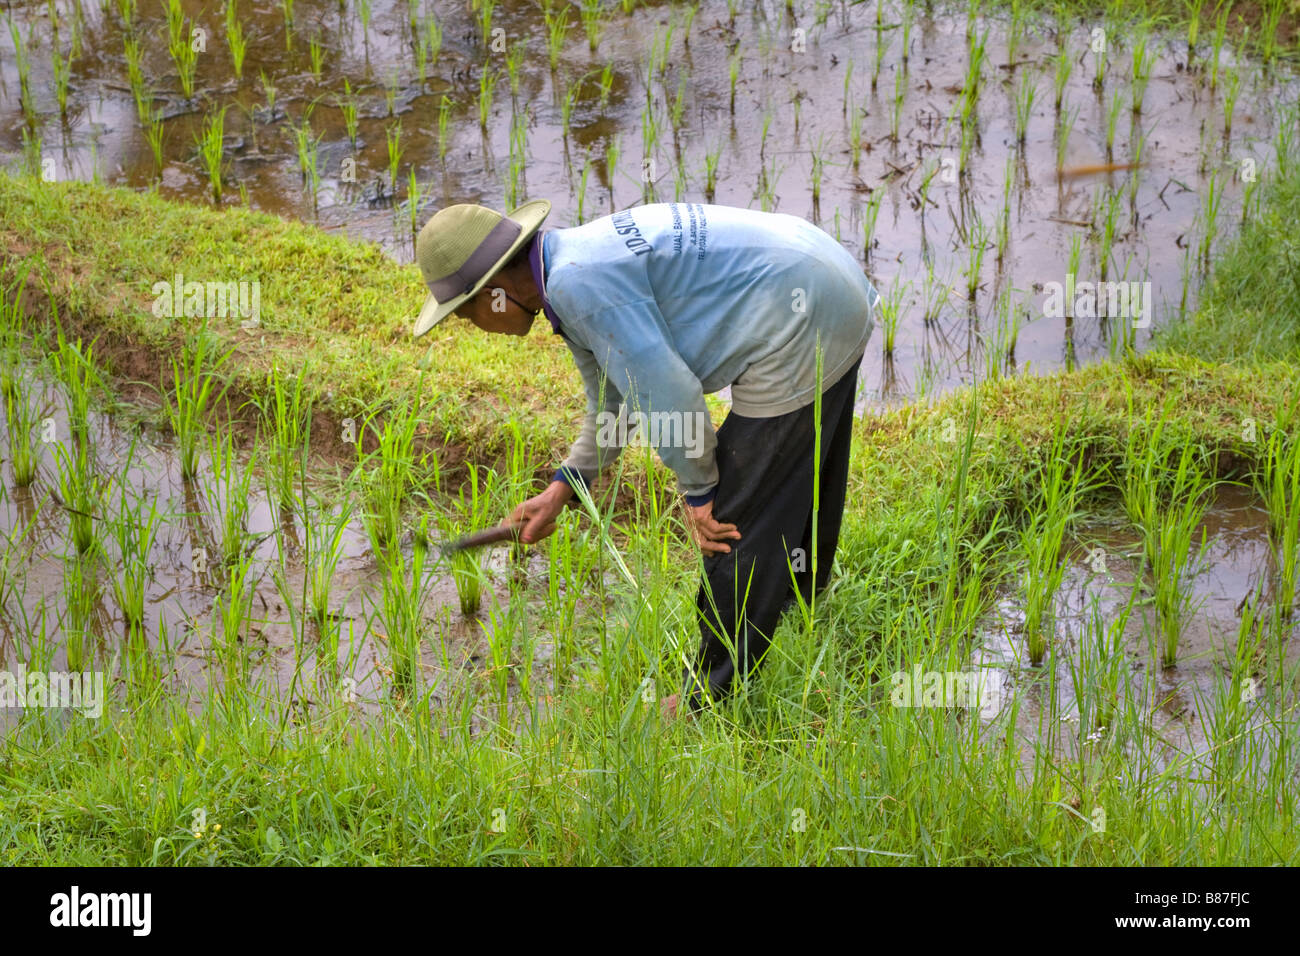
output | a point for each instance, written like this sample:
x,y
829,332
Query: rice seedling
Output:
x,y
231,618
557,29
308,147
1106,233
80,587
1277,481
228,496
1063,130
22,62
324,550
848,78
817,172
393,136
518,157
154,134
316,53
1284,143
891,311
432,41
135,77
977,235
347,104
650,132
474,512
444,119
1016,32
126,10
711,158
591,15
181,48
269,91
1172,561
1270,28
678,109
1143,60
20,420
1216,45
1231,89
403,601
896,105
606,83
390,91
77,374
870,213
581,215
363,14
81,486
514,64
194,389
467,573
907,35
881,49
388,481
1061,76
567,103
235,38
612,151
733,74
855,138
1099,47
1193,19
62,69
1057,482
1003,235
1025,95
212,150
413,192
413,20
1112,122
32,158
487,83
284,428
286,8
134,528
1208,219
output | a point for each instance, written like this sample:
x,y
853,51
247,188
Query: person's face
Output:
x,y
495,309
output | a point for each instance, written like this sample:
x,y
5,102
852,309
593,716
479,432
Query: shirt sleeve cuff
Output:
x,y
696,500
572,477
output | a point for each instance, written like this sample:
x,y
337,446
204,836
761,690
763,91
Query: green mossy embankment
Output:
x,y
342,308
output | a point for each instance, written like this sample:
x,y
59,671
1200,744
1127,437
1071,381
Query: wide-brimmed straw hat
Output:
x,y
461,247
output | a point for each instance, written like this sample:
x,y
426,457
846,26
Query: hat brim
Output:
x,y
530,217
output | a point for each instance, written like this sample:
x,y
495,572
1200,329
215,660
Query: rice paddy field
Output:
x,y
1061,629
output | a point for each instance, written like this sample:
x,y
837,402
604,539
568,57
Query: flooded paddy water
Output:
x,y
1105,633
65,610
982,164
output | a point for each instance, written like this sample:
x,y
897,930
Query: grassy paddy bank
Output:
x,y
815,764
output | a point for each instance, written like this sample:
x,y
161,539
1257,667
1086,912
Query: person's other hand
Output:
x,y
538,513
709,534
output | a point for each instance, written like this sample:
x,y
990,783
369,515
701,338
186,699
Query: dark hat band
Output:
x,y
491,249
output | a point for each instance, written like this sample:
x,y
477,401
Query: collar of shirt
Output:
x,y
539,275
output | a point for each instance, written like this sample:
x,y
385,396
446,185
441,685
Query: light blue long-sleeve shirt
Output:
x,y
664,303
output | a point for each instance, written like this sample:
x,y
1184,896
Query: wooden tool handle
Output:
x,y
504,532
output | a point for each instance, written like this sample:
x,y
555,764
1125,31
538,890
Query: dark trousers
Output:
x,y
765,488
